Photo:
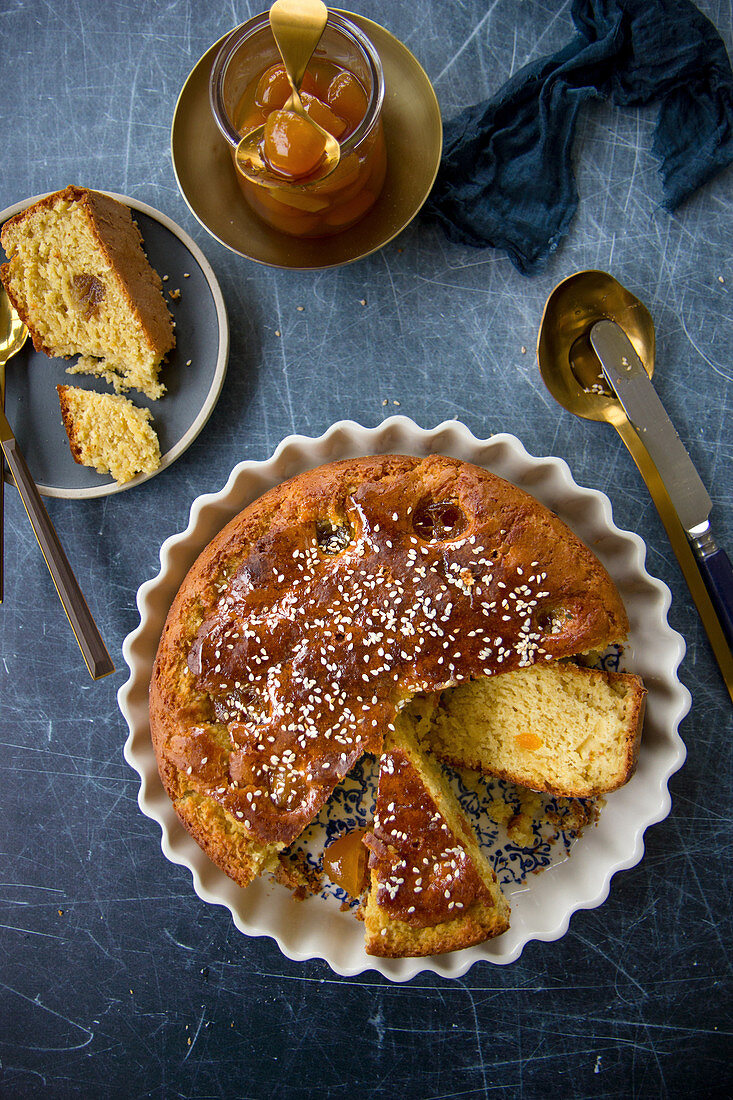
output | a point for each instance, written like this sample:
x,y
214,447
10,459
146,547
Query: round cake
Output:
x,y
319,610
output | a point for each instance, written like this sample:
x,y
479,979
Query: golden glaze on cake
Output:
x,y
422,873
326,604
432,889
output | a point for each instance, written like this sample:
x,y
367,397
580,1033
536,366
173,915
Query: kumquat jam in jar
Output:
x,y
342,91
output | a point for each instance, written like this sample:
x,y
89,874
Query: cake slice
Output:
x,y
559,728
80,281
431,887
109,433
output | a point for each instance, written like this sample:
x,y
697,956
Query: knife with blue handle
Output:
x,y
625,374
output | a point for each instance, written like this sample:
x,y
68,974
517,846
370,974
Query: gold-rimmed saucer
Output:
x,y
414,136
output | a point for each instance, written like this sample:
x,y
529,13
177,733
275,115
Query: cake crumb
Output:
x,y
527,809
174,294
300,309
519,830
295,873
500,812
575,814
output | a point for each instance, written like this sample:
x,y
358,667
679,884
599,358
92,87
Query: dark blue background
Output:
x,y
116,980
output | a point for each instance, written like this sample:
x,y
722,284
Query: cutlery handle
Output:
x,y
2,527
2,492
686,558
93,649
718,576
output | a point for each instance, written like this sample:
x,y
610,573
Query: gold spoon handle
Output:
x,y
2,492
297,26
682,549
93,649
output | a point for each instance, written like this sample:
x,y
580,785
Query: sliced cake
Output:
x,y
80,281
318,612
559,728
109,433
432,889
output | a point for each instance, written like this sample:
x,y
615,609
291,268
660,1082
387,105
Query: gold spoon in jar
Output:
x,y
573,374
297,26
13,334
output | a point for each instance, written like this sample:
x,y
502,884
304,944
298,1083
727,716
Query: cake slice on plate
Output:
x,y
109,433
81,283
432,889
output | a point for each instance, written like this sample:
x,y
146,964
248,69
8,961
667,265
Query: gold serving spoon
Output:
x,y
297,26
13,334
574,376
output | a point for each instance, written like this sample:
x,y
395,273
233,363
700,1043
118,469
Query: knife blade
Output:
x,y
625,373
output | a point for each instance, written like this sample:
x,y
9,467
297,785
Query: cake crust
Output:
x,y
395,939
326,604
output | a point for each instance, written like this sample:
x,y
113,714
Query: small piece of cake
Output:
x,y
432,889
109,433
81,283
559,728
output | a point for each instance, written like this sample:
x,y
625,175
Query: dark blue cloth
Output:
x,y
506,176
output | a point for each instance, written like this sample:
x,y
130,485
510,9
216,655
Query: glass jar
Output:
x,y
321,207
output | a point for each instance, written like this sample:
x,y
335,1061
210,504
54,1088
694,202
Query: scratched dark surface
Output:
x,y
115,978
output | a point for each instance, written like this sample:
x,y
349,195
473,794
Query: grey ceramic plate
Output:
x,y
202,336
